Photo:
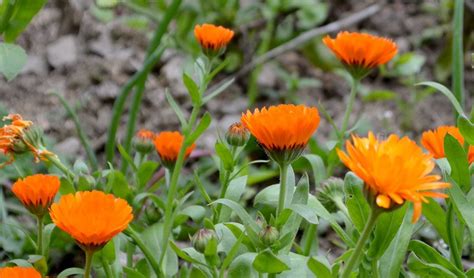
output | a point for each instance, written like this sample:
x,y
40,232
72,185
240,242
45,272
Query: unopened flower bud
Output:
x,y
331,193
143,141
237,135
152,213
269,235
201,239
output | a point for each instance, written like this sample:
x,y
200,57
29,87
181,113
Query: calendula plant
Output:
x,y
160,206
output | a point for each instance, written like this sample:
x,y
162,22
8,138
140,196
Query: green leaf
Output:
x,y
317,165
319,269
118,183
234,192
232,253
193,89
66,186
241,212
427,270
23,13
12,60
183,255
355,201
463,205
428,254
408,64
467,129
175,108
386,228
202,126
71,272
267,262
445,91
457,158
47,231
225,156
196,213
217,91
392,260
380,95
306,212
145,172
107,3
132,273
437,217
242,266
20,262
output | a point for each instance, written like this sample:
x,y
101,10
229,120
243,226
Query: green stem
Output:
x,y
40,235
369,226
149,255
130,251
272,275
310,235
122,98
106,266
350,104
282,196
80,132
88,266
141,10
457,54
7,15
137,100
56,162
452,241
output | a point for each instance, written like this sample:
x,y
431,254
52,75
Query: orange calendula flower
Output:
x,y
361,52
212,37
168,144
19,272
283,130
433,140
470,155
394,170
92,218
37,192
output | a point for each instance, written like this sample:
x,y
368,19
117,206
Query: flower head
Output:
x,y
19,137
470,155
143,141
283,130
394,170
168,144
361,52
433,140
92,218
19,272
212,38
37,192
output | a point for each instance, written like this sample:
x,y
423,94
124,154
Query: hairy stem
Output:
x,y
350,104
282,196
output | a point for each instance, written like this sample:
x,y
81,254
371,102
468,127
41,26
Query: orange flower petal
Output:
x,y
213,37
360,49
433,140
396,169
36,192
92,218
168,144
19,272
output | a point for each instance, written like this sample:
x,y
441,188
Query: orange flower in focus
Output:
x,y
19,272
433,140
37,192
212,37
283,130
394,170
361,52
92,218
168,144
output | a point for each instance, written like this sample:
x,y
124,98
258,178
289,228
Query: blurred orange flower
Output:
x,y
92,218
433,140
394,170
37,192
19,272
212,37
282,130
168,144
11,134
361,51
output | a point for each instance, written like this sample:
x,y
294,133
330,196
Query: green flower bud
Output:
x,y
152,213
201,239
143,141
331,194
269,235
237,135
